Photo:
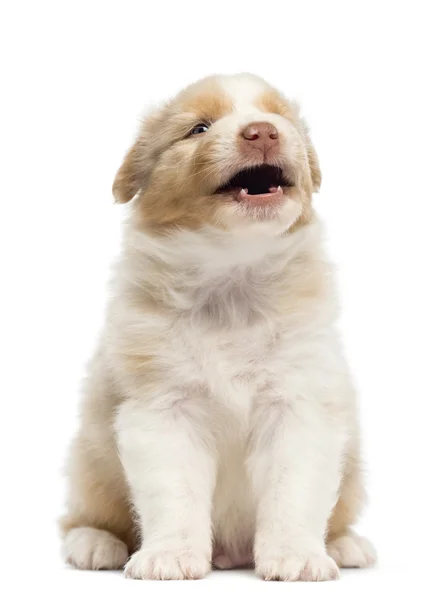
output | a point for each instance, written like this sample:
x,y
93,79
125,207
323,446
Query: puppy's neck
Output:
x,y
217,278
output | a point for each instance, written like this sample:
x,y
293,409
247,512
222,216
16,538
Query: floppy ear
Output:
x,y
313,161
138,162
129,178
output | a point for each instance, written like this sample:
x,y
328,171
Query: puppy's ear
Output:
x,y
138,162
129,177
313,161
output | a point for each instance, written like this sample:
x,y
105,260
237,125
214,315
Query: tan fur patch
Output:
x,y
206,99
303,293
313,161
166,159
273,102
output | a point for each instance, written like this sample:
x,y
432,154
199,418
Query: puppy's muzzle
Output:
x,y
260,140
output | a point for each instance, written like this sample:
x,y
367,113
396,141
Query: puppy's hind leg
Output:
x,y
97,529
347,548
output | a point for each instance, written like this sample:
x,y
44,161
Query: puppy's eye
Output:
x,y
200,128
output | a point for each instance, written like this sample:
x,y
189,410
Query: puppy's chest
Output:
x,y
232,355
226,361
222,335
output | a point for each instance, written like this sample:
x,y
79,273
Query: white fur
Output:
x,y
244,89
270,390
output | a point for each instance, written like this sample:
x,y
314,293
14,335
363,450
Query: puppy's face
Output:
x,y
228,151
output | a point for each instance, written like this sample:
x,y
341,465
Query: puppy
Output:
x,y
219,424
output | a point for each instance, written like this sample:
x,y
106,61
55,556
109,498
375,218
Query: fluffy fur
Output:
x,y
218,423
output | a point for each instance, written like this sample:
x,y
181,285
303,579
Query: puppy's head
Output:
x,y
228,151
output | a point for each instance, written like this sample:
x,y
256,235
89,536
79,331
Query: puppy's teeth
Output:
x,y
279,189
243,193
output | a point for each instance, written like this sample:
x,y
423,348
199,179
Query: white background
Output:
x,y
76,77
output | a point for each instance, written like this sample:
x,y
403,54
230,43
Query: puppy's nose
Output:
x,y
260,131
262,137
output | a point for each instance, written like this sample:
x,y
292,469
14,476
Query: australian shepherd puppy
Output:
x,y
219,425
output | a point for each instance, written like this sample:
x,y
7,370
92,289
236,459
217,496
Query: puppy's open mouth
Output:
x,y
258,184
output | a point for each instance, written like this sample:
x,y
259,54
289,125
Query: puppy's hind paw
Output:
x,y
352,551
93,549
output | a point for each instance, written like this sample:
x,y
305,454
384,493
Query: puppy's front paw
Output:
x,y
352,550
146,564
297,567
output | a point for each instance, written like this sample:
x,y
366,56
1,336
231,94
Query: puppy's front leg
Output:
x,y
294,461
167,454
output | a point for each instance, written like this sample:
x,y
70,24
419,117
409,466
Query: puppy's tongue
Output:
x,y
274,193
